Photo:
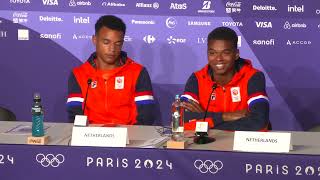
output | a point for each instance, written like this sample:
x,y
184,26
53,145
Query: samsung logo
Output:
x,y
199,23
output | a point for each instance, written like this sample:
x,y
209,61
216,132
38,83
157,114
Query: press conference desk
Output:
x,y
57,160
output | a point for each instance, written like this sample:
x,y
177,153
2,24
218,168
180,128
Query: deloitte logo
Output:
x,y
149,39
171,22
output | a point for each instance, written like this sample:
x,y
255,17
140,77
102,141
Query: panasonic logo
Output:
x,y
148,22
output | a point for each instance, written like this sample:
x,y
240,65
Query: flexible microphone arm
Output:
x,y
85,101
214,87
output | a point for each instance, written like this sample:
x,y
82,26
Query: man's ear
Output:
x,y
237,54
94,39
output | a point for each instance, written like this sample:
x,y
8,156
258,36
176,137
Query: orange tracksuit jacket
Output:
x,y
246,90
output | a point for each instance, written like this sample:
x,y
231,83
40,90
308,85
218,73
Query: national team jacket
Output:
x,y
246,90
126,96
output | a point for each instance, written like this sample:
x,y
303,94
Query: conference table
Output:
x,y
59,161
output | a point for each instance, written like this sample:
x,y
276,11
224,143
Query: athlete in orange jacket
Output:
x,y
116,89
234,89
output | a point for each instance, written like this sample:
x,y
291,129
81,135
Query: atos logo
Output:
x,y
50,2
50,160
171,22
178,6
260,24
208,166
149,39
296,9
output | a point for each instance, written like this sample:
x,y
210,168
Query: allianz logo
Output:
x,y
51,36
50,19
81,20
143,22
113,4
260,24
50,2
263,42
288,25
263,8
73,3
296,9
231,23
20,1
199,23
20,14
154,5
178,6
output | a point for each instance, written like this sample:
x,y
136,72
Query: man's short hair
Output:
x,y
111,22
224,33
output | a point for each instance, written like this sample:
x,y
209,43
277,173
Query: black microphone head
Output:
x,y
214,86
89,81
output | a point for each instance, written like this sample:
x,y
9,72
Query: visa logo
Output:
x,y
50,2
260,24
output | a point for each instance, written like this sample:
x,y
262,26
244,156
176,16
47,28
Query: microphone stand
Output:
x,y
85,101
202,137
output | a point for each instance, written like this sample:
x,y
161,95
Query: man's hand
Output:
x,y
192,106
233,116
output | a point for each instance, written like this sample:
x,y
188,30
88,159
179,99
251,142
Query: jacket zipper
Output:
x,y
224,99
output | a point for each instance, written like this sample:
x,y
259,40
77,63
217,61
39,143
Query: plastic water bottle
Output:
x,y
177,120
37,116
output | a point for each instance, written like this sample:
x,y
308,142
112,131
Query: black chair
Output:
x,y
6,115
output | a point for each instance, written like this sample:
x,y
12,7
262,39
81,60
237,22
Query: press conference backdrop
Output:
x,y
42,40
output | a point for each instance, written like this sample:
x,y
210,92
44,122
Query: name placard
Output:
x,y
202,126
99,136
250,141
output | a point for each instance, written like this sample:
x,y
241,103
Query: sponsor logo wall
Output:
x,y
170,39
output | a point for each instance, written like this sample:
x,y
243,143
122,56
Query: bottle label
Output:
x,y
36,109
180,129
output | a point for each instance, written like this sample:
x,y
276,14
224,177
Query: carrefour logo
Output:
x,y
149,39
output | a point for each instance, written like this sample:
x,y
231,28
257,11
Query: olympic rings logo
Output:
x,y
50,159
208,166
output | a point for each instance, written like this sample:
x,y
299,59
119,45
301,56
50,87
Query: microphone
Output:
x,y
85,100
202,137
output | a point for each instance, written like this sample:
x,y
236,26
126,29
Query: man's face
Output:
x,y
222,56
108,44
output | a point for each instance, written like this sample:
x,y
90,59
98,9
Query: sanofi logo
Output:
x,y
263,42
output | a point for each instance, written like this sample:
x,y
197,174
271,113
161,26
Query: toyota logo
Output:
x,y
50,159
208,166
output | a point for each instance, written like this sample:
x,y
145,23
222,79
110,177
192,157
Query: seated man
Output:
x,y
111,87
229,86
